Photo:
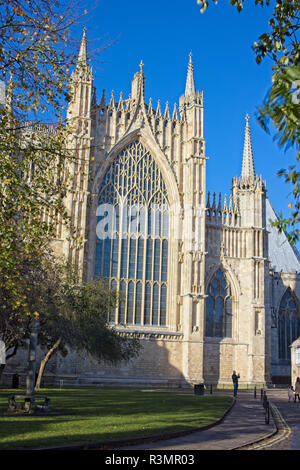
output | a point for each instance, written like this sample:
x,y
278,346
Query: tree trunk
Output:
x,y
2,367
44,362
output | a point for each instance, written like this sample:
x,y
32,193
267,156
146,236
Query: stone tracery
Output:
x,y
132,248
219,307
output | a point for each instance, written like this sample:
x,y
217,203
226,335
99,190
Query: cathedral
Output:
x,y
206,283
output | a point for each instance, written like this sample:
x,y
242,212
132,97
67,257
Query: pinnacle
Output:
x,y
158,111
248,162
190,83
82,56
141,67
167,113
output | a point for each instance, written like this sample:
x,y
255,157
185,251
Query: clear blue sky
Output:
x,y
162,33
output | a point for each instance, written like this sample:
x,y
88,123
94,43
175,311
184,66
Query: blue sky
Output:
x,y
162,33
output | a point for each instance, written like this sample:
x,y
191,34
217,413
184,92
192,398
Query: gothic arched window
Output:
x,y
132,236
288,324
218,316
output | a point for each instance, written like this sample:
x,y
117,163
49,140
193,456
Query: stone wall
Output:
x,y
159,363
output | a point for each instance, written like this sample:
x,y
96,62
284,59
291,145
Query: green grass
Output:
x,y
97,415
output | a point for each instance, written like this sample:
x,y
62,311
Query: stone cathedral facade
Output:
x,y
206,282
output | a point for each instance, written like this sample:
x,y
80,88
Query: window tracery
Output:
x,y
132,236
288,324
218,316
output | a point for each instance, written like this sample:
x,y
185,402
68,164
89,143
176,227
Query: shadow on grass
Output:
x,y
92,415
101,437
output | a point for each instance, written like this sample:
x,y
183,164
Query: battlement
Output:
x,y
223,214
251,183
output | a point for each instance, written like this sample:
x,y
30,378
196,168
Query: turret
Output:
x,y
249,189
191,109
81,84
79,116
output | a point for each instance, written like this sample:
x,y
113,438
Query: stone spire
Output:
x,y
81,84
82,56
190,83
248,171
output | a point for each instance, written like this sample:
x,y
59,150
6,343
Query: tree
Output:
x,y
34,66
34,147
34,180
281,106
34,287
77,319
72,314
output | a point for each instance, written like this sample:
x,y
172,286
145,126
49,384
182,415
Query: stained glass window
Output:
x,y
288,325
132,236
218,308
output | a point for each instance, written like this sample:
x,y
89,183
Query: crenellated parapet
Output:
x,y
227,213
249,183
190,100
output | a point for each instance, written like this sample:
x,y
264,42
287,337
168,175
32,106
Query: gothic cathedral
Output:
x,y
206,283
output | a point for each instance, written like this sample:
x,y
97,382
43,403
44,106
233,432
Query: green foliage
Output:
x,y
88,305
34,182
74,315
34,67
77,313
281,107
34,35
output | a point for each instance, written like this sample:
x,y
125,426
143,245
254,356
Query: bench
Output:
x,y
26,405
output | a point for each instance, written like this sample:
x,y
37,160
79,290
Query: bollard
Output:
x,y
267,412
255,391
265,400
211,389
261,393
266,406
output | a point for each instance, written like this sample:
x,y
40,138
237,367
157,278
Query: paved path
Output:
x,y
244,424
287,416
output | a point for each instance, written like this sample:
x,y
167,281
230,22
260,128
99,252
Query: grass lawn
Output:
x,y
97,415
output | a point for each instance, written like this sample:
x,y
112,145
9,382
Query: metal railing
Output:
x,y
266,405
210,387
263,397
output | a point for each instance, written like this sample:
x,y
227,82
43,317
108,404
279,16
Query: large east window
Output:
x,y
132,237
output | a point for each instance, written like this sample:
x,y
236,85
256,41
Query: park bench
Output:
x,y
25,405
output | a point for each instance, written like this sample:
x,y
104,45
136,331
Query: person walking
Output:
x,y
235,380
297,389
